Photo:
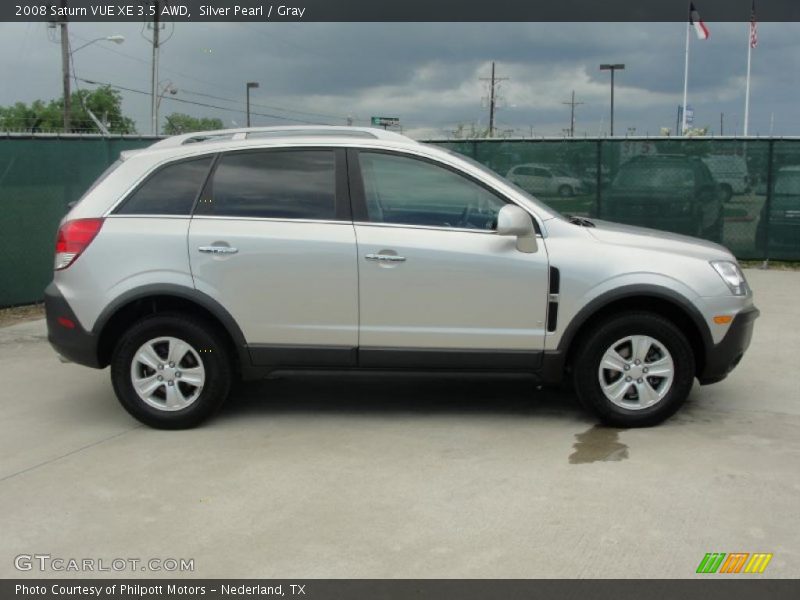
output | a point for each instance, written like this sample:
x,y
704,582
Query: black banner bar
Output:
x,y
711,587
398,10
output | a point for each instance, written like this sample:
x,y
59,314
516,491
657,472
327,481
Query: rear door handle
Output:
x,y
218,249
385,257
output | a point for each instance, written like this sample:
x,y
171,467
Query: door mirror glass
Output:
x,y
513,221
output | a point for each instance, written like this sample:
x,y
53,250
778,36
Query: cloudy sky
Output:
x,y
430,74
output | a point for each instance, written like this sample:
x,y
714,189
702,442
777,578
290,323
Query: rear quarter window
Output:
x,y
170,190
654,175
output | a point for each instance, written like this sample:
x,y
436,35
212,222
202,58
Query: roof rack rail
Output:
x,y
291,131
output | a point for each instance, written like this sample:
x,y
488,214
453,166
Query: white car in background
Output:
x,y
545,180
730,172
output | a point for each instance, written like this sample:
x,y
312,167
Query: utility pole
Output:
x,y
493,82
154,70
722,123
572,105
65,71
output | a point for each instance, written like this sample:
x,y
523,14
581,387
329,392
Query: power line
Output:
x,y
184,75
184,101
300,112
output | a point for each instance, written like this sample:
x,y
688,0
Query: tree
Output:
x,y
178,123
105,103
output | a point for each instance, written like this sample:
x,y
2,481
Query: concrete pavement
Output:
x,y
332,476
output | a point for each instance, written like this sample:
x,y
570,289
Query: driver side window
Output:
x,y
408,191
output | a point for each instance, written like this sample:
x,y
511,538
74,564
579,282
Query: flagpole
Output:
x,y
685,79
747,84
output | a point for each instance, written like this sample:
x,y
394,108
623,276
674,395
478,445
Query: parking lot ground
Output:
x,y
358,476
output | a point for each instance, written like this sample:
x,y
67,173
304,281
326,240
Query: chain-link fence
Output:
x,y
742,193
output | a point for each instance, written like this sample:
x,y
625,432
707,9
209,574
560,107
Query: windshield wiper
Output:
x,y
580,221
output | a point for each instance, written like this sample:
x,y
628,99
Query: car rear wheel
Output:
x,y
171,371
634,370
565,191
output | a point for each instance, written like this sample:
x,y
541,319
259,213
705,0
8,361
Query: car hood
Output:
x,y
653,239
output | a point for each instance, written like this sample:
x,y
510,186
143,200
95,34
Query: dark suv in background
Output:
x,y
669,192
780,220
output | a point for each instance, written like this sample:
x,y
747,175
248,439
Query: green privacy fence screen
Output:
x,y
39,177
742,193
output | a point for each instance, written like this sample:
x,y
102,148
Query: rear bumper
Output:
x,y
71,342
722,358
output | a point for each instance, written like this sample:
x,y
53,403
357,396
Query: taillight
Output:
x,y
73,238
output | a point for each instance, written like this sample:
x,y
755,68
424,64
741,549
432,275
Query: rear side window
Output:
x,y
655,175
280,184
171,190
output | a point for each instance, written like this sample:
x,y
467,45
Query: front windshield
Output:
x,y
547,210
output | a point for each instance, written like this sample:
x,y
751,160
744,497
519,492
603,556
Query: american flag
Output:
x,y
753,27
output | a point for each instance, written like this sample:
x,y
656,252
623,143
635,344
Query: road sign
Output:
x,y
386,121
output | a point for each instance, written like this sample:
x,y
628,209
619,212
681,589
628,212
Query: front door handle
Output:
x,y
218,249
385,257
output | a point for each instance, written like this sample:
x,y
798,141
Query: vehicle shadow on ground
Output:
x,y
372,395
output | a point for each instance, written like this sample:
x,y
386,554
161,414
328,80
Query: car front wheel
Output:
x,y
171,371
634,370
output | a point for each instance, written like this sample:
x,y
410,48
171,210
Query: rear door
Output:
x,y
272,241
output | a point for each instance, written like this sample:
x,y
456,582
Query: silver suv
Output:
x,y
209,257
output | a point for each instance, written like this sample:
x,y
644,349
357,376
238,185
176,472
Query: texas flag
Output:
x,y
695,21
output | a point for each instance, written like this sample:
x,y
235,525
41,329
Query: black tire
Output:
x,y
726,192
566,191
211,350
596,342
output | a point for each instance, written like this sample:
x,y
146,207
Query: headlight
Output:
x,y
732,276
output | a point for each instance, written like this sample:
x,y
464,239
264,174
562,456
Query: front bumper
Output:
x,y
73,342
722,358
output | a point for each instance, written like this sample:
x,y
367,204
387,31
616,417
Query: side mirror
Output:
x,y
512,220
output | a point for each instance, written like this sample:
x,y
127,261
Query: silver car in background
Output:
x,y
213,256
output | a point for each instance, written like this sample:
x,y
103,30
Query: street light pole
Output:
x,y
612,68
250,85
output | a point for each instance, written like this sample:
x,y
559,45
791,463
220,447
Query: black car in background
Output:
x,y
668,192
781,223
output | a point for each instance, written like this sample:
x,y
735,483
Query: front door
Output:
x,y
437,286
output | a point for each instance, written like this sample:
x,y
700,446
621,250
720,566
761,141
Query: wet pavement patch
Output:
x,y
598,444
